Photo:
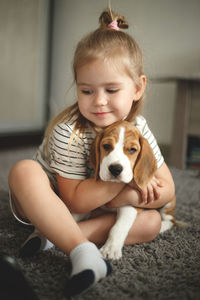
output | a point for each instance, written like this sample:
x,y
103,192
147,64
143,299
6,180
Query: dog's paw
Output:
x,y
111,251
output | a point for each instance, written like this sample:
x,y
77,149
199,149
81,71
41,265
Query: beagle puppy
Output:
x,y
121,154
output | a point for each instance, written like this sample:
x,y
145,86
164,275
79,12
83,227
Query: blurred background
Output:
x,y
37,42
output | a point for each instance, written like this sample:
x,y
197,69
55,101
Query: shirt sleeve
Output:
x,y
142,126
67,155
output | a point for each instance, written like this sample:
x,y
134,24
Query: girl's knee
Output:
x,y
153,225
145,228
21,170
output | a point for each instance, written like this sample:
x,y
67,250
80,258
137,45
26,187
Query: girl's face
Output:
x,y
105,95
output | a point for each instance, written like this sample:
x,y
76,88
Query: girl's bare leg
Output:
x,y
145,228
38,203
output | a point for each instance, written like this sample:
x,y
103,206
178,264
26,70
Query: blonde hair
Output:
x,y
107,44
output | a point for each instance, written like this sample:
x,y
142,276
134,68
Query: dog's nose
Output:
x,y
115,170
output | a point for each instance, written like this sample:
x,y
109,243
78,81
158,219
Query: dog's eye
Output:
x,y
132,150
107,147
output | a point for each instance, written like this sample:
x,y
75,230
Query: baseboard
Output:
x,y
21,139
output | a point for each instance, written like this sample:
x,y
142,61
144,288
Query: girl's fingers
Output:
x,y
144,194
158,182
151,190
156,194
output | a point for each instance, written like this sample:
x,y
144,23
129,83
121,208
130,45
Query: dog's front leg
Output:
x,y
112,249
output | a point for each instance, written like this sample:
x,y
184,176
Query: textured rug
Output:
x,y
167,268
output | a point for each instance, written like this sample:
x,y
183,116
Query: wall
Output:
x,y
23,64
167,32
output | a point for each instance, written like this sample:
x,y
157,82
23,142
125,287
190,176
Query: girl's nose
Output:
x,y
100,99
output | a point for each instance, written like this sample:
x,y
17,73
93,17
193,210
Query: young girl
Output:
x,y
108,72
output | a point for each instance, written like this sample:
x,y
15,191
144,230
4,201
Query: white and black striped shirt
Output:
x,y
70,157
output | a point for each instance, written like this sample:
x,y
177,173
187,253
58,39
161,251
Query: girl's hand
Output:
x,y
151,192
158,192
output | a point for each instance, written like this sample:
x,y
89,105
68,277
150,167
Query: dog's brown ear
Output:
x,y
95,155
146,164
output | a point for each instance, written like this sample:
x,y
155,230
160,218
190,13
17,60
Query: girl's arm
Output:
x,y
152,196
82,196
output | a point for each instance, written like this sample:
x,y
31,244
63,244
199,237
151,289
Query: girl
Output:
x,y
108,73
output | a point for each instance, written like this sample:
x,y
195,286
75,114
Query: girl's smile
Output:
x,y
105,95
101,114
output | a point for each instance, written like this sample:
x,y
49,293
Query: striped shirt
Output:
x,y
69,157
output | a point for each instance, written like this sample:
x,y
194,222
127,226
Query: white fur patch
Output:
x,y
117,156
166,225
112,249
166,217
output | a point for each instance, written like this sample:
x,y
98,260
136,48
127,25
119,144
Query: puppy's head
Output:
x,y
121,154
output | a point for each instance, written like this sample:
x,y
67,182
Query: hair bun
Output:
x,y
109,16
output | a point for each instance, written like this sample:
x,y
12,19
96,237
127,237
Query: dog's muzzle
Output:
x,y
115,170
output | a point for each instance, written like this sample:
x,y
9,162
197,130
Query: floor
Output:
x,y
8,157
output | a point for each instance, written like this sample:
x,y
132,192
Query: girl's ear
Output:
x,y
146,164
140,88
95,155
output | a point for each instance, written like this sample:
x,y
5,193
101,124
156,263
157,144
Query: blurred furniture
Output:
x,y
185,87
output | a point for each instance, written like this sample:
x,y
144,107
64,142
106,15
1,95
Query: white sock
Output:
x,y
88,267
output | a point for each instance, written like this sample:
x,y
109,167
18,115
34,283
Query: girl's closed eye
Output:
x,y
87,92
112,91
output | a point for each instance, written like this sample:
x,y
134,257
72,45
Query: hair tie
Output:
x,y
113,25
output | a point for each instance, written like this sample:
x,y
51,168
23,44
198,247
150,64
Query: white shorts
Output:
x,y
14,212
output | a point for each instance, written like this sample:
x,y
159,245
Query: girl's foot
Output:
x,y
88,267
35,242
